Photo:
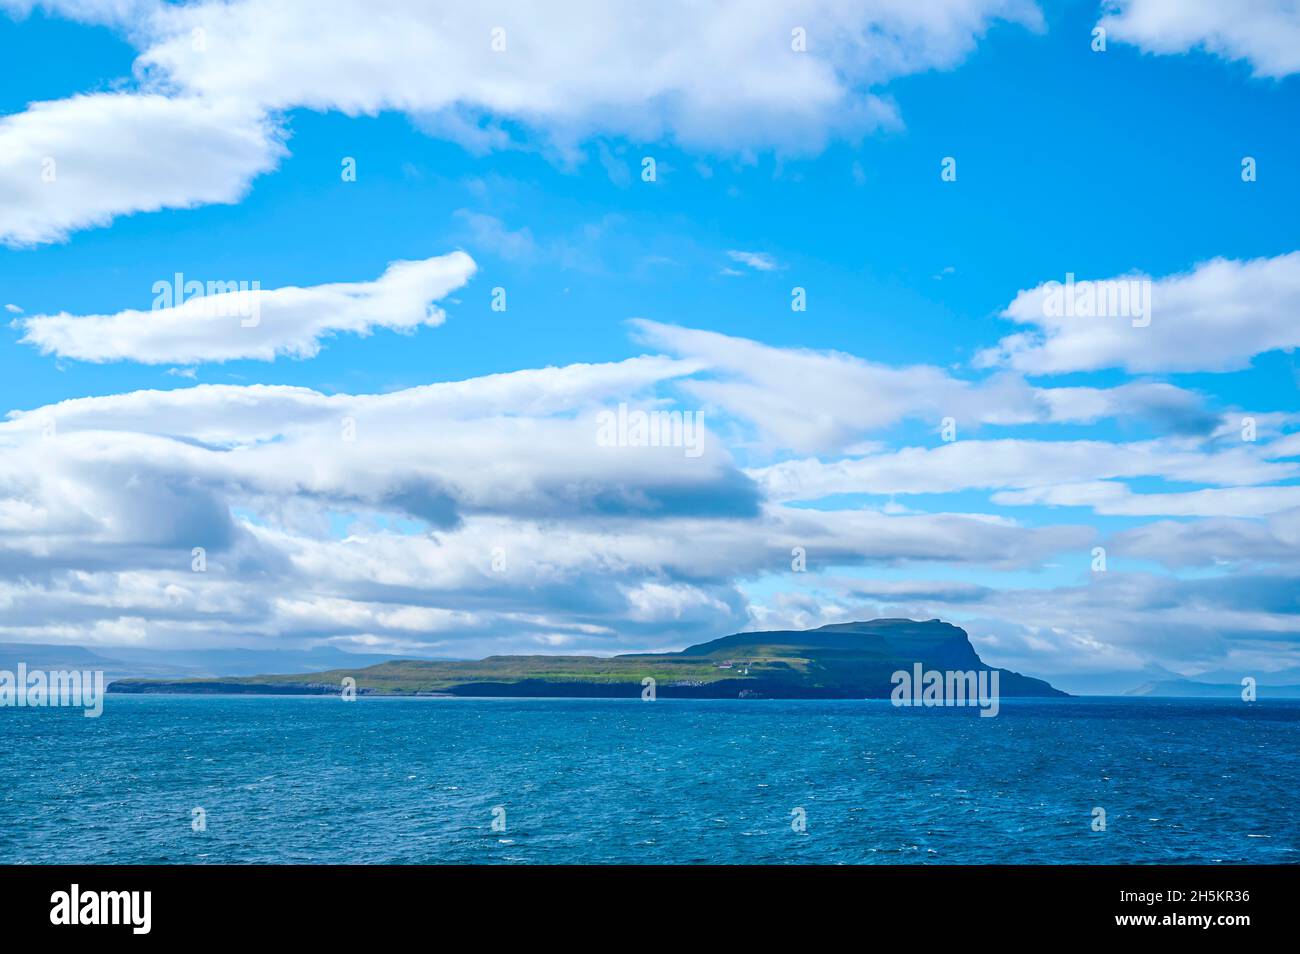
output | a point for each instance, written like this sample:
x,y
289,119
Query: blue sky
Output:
x,y
221,160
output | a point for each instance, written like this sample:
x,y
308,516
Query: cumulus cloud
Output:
x,y
522,445
1264,33
701,76
1214,318
75,163
480,516
483,514
253,322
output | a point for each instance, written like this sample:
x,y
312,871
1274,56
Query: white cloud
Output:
x,y
76,163
1116,620
106,12
1172,409
1265,33
654,602
102,500
1214,318
1116,499
523,444
1041,468
256,323
811,401
387,541
707,77
759,261
1215,542
229,414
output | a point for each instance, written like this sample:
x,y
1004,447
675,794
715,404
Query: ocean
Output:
x,y
313,780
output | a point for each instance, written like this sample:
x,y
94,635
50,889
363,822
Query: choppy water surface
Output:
x,y
416,781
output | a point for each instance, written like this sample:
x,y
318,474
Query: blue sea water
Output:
x,y
318,780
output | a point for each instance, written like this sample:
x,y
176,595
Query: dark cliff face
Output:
x,y
859,659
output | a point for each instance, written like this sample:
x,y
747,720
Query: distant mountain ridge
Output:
x,y
121,662
840,661
1192,689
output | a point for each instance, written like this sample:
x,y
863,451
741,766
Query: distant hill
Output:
x,y
247,662
1279,677
1155,680
42,656
1114,682
848,660
120,662
1191,689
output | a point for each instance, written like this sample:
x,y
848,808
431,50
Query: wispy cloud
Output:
x,y
759,261
256,323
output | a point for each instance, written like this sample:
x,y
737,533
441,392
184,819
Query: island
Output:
x,y
840,661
